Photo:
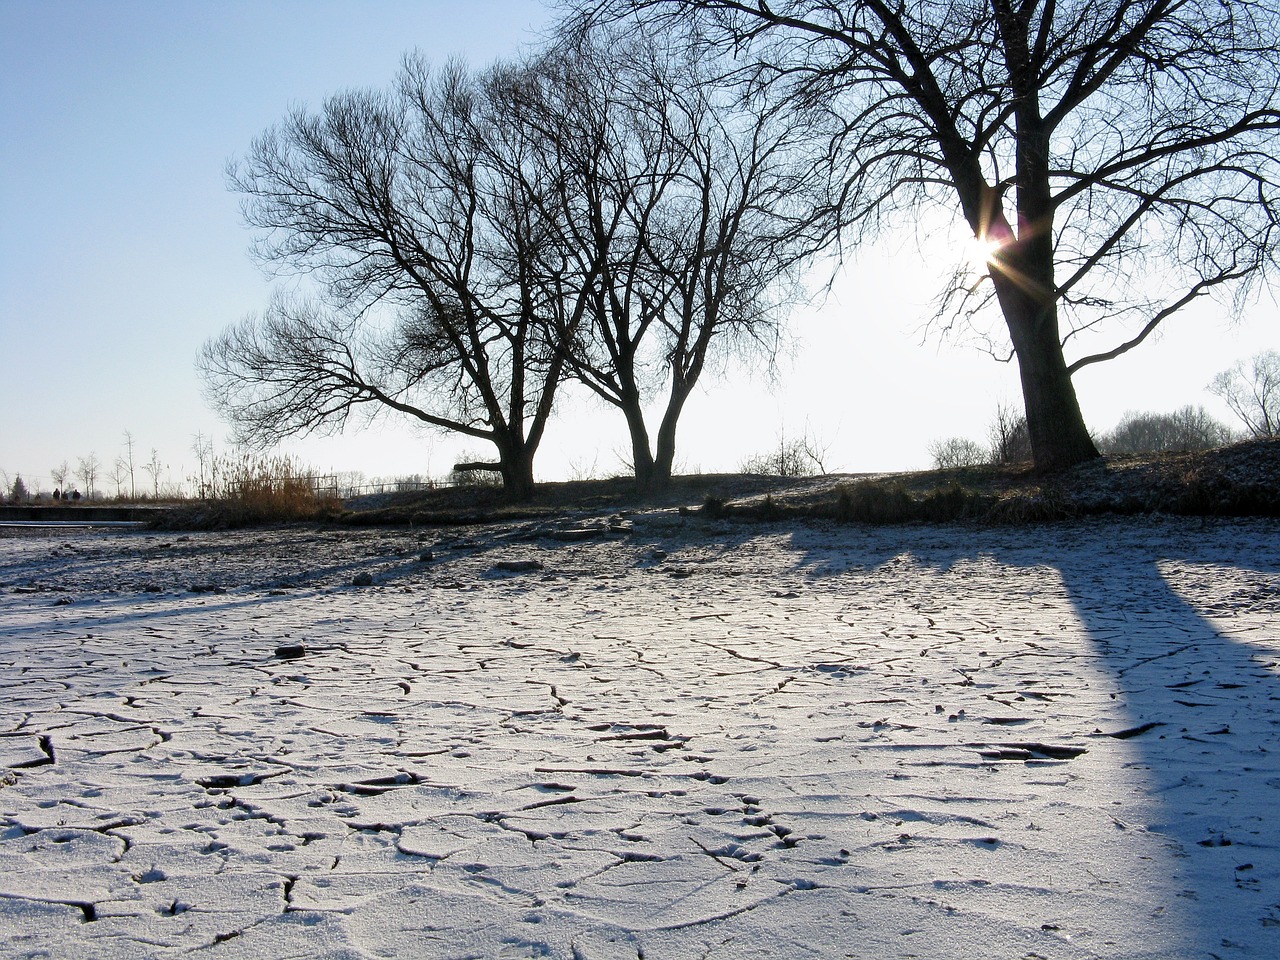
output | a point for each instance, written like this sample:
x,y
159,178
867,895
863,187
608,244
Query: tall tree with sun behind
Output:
x,y
1118,157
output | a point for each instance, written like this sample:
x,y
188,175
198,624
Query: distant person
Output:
x,y
75,494
57,494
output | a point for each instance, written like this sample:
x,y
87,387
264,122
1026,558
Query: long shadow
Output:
x,y
1198,687
78,617
1206,694
126,559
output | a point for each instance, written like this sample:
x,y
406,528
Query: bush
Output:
x,y
792,458
884,502
874,502
952,502
956,452
254,490
1024,508
412,483
1010,438
714,507
1190,428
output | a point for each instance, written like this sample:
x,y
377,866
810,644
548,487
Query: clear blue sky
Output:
x,y
121,251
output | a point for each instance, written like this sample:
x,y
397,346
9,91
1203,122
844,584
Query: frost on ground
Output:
x,y
668,738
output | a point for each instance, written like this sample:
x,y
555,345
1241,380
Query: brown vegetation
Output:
x,y
253,491
1238,480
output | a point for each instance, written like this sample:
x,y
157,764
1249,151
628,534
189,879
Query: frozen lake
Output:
x,y
669,738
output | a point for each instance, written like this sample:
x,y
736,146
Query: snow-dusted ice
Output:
x,y
676,738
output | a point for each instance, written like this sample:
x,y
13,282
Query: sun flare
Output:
x,y
980,252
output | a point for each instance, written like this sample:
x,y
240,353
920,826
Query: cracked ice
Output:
x,y
676,739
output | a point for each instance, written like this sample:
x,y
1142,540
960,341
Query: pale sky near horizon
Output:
x,y
122,251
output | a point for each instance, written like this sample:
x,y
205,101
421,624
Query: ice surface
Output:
x,y
1057,741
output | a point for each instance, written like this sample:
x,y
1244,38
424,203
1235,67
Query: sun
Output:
x,y
979,253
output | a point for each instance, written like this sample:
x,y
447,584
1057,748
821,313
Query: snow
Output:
x,y
680,738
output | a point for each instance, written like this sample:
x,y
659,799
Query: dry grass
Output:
x,y
255,491
1243,479
1238,480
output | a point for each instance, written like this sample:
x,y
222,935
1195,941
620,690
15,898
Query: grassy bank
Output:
x,y
1238,480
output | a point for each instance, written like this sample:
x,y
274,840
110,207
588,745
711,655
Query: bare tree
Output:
x,y
60,473
400,203
1253,393
202,447
128,460
1118,156
686,212
119,474
155,468
87,470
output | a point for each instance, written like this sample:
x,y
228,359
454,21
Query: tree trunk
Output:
x,y
1024,267
641,458
515,464
664,461
517,474
1055,426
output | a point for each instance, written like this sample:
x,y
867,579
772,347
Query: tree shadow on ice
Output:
x,y
1204,704
1196,688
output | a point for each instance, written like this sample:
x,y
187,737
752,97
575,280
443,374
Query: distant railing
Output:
x,y
329,486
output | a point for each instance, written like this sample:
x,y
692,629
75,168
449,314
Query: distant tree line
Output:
x,y
83,480
1251,390
637,201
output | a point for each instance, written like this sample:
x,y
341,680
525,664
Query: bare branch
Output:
x,y
1101,143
